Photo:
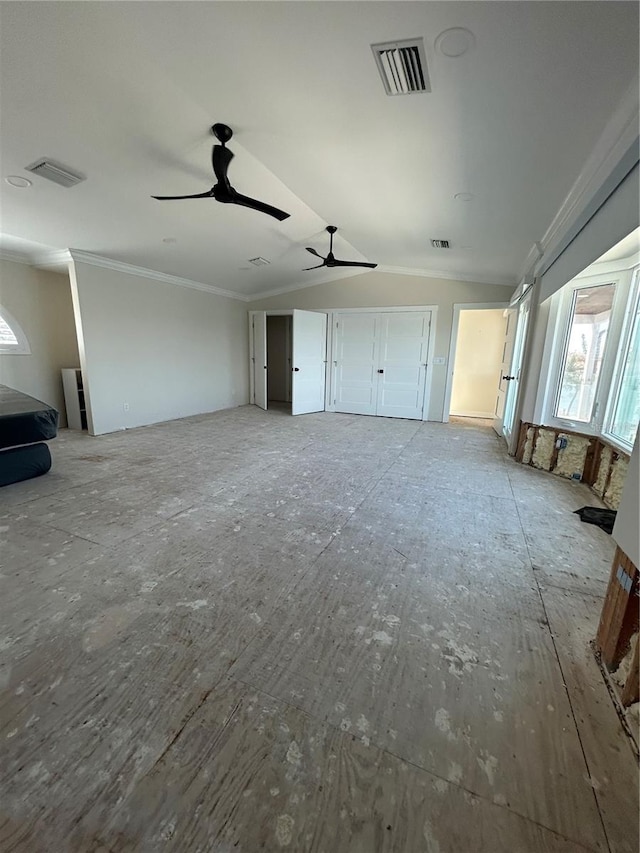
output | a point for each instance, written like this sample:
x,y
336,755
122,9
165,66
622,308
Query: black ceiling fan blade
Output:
x,y
220,159
244,201
208,194
313,252
353,264
306,269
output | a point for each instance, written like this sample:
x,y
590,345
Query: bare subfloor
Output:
x,y
247,631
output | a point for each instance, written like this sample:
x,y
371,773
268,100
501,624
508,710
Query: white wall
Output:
x,y
41,303
478,358
165,351
379,290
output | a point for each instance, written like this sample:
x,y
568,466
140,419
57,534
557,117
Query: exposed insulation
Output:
x,y
613,493
621,674
539,450
528,446
603,470
571,458
543,452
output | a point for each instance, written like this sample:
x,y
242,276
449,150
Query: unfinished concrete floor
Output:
x,y
247,631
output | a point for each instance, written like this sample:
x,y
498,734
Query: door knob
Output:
x,y
296,369
507,378
381,371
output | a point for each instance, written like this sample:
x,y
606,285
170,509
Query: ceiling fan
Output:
x,y
330,260
223,191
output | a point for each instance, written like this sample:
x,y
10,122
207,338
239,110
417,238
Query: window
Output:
x,y
584,352
12,339
7,337
593,381
625,407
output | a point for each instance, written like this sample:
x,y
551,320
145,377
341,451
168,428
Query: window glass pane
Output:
x,y
626,413
589,324
7,338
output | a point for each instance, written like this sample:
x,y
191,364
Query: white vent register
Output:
x,y
402,66
55,172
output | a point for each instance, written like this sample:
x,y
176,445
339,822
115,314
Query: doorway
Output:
x,y
475,358
288,358
279,335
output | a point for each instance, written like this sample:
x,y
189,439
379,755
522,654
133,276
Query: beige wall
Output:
x,y
379,290
41,303
478,358
163,351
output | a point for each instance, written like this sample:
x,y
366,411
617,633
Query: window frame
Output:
x,y
22,347
629,320
618,336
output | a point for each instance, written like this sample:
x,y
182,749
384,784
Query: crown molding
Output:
x,y
500,280
536,252
14,257
615,149
55,259
143,272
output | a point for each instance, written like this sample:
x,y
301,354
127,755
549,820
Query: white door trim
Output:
x,y
251,316
457,308
334,314
252,379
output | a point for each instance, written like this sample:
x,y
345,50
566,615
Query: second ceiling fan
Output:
x,y
331,260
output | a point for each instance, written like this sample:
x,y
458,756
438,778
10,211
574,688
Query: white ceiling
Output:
x,y
126,93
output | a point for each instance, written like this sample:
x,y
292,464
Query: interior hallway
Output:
x,y
246,631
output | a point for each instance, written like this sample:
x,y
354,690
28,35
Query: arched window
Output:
x,y
13,340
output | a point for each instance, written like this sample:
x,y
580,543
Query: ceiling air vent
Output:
x,y
440,244
402,66
55,172
259,262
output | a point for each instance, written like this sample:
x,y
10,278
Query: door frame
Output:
x,y
453,343
334,315
251,315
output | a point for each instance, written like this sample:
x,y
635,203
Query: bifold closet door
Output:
x,y
309,354
381,362
356,361
402,363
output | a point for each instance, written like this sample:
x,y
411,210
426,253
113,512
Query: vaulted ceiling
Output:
x,y
125,93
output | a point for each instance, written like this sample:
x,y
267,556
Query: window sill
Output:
x,y
617,443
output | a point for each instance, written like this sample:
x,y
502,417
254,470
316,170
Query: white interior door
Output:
x,y
260,359
309,362
402,363
511,398
505,367
380,362
356,363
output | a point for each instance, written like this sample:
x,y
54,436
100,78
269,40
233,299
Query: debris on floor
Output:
x,y
604,518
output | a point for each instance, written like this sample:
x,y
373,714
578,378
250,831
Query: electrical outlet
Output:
x,y
125,407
